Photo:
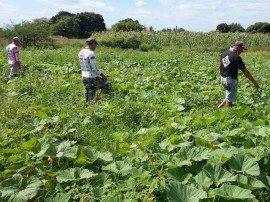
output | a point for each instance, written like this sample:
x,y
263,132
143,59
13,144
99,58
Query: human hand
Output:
x,y
257,86
103,77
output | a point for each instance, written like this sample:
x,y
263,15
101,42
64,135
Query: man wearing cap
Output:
x,y
92,76
230,62
13,57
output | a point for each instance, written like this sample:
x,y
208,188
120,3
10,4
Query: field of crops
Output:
x,y
158,136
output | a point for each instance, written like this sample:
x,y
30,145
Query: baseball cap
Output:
x,y
90,41
240,44
16,39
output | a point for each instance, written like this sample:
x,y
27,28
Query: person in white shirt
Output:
x,y
92,77
13,57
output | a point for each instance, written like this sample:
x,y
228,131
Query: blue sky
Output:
x,y
192,15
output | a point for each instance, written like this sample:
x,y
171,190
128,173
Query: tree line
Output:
x,y
259,27
81,25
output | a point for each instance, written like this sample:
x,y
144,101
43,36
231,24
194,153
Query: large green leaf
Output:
x,y
249,182
140,173
263,131
167,145
179,174
203,180
172,143
119,167
29,145
105,156
179,192
66,150
59,198
41,114
195,154
47,149
74,174
221,114
176,161
117,199
19,189
179,107
243,111
257,152
266,181
232,192
221,156
244,164
93,155
218,174
101,180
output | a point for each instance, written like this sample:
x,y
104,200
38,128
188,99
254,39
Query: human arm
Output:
x,y
220,67
93,65
15,54
250,77
104,78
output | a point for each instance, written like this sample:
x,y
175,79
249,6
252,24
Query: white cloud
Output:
x,y
80,5
140,3
60,2
141,13
6,8
166,2
5,11
197,15
193,15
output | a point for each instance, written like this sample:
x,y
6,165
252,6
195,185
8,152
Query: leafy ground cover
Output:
x,y
157,137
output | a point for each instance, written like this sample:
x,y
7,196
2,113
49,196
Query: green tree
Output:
x,y
1,32
223,28
128,25
260,27
81,25
59,16
180,30
166,30
236,27
35,33
65,27
151,29
87,23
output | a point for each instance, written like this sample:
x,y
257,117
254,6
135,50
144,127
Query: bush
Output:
x,y
128,25
36,33
259,27
118,41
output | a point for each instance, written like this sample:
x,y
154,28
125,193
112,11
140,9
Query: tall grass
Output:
x,y
145,40
188,40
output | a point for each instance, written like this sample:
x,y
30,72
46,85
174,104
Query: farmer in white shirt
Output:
x,y
13,57
92,77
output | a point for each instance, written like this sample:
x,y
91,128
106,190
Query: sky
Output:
x,y
192,15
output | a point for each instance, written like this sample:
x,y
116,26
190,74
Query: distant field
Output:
x,y
191,41
157,137
176,40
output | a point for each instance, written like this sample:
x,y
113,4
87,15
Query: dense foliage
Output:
x,y
36,33
236,27
233,27
157,137
81,25
147,40
259,27
39,32
128,25
56,18
223,28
